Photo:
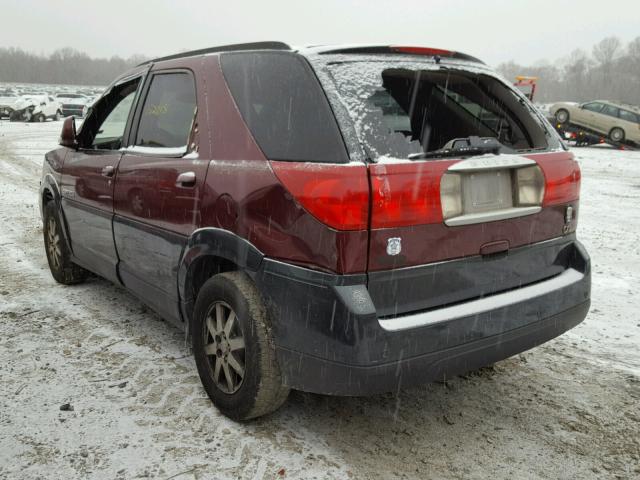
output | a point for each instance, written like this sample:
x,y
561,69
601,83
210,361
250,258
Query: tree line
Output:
x,y
611,71
63,66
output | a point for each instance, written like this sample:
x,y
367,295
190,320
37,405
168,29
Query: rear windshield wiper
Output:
x,y
463,147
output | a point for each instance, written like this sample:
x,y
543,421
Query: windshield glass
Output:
x,y
401,108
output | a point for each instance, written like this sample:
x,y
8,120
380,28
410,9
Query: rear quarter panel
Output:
x,y
243,195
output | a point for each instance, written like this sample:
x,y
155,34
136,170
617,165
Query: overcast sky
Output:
x,y
493,30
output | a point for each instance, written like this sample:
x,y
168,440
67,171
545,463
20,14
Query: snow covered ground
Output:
x,y
567,409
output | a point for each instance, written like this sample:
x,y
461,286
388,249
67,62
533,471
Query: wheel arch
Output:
x,y
50,192
210,251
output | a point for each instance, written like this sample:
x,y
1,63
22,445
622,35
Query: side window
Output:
x,y
593,107
104,128
629,116
611,111
168,111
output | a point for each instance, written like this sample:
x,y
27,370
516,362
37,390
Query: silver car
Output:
x,y
618,122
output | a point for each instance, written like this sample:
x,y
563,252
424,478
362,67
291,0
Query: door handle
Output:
x,y
186,179
108,171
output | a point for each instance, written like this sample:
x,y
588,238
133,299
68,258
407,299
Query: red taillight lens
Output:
x,y
337,195
562,178
406,194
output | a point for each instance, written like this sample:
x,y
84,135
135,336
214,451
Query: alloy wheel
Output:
x,y
53,243
224,347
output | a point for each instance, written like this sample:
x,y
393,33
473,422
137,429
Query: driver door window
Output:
x,y
593,107
105,128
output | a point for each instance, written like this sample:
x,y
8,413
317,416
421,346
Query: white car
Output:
x,y
73,104
7,99
36,108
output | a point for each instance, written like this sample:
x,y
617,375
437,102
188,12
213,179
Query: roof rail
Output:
x,y
397,49
224,48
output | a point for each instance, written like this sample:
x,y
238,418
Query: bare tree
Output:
x,y
612,73
606,51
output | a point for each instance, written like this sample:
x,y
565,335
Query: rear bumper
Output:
x,y
324,376
330,338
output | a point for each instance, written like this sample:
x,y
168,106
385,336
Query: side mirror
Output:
x,y
68,134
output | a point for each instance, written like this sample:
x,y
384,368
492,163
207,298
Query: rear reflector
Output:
x,y
335,194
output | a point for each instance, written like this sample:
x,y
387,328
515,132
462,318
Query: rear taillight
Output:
x,y
335,194
562,178
406,194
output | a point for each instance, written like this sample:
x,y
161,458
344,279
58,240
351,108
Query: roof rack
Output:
x,y
396,49
224,48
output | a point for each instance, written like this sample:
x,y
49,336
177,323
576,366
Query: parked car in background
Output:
x,y
73,104
338,220
36,108
7,101
618,122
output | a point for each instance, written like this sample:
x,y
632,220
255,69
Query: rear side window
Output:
x,y
168,111
284,106
628,116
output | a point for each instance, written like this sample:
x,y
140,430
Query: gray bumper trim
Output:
x,y
481,305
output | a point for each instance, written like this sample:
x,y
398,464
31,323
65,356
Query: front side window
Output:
x,y
611,111
400,108
593,107
168,111
104,128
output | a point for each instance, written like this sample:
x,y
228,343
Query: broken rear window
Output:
x,y
403,108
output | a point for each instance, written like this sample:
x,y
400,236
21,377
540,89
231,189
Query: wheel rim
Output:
x,y
616,134
562,116
224,347
53,243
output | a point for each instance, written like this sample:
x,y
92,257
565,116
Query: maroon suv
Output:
x,y
340,220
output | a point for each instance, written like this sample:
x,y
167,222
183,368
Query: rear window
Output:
x,y
284,106
401,107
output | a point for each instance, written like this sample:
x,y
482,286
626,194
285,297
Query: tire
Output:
x,y
617,134
259,390
562,116
62,268
39,118
57,116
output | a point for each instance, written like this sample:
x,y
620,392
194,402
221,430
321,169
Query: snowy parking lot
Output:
x,y
94,385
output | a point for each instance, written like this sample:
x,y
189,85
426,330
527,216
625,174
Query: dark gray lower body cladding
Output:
x,y
332,339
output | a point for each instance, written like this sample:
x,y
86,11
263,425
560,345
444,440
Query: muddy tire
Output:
x,y
62,268
616,134
562,116
233,348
